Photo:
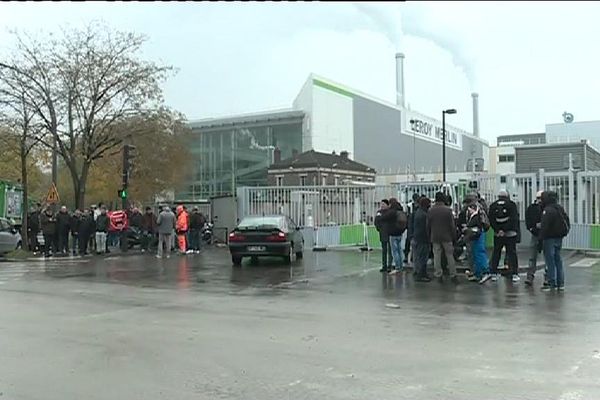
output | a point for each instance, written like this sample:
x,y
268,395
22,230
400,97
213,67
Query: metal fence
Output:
x,y
332,205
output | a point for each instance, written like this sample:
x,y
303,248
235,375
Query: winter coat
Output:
x,y
166,222
87,225
48,223
74,223
149,223
394,226
382,223
63,221
182,225
33,222
504,216
555,221
197,221
533,216
411,221
440,224
420,226
136,220
474,227
102,223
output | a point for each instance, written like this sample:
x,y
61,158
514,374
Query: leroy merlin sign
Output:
x,y
434,132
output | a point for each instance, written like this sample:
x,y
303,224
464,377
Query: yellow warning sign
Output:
x,y
52,197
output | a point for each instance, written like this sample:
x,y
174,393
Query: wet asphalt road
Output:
x,y
329,327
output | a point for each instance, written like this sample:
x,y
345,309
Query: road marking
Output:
x,y
585,263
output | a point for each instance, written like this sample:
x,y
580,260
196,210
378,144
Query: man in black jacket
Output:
x,y
48,224
504,219
421,245
197,222
86,229
554,227
533,221
63,220
381,219
33,228
409,229
74,223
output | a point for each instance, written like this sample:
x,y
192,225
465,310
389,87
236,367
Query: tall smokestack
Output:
x,y
400,97
475,97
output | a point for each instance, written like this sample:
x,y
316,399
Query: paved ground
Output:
x,y
329,327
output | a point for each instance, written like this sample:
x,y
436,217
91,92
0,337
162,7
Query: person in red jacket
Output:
x,y
182,228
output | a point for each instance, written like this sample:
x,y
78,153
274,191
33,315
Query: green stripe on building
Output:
x,y
332,88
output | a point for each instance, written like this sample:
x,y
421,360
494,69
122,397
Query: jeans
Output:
x,y
556,272
195,240
386,254
397,250
101,242
112,240
448,249
510,243
420,257
534,249
479,256
164,242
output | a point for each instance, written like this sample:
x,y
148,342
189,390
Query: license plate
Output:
x,y
256,248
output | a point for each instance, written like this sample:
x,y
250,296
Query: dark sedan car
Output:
x,y
269,235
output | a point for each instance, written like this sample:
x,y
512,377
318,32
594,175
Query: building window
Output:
x,y
506,158
279,181
302,180
503,179
324,180
359,179
336,180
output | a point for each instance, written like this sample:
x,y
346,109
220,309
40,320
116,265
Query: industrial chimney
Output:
x,y
475,97
400,100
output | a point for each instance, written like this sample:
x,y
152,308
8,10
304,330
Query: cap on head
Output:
x,y
386,202
538,195
503,194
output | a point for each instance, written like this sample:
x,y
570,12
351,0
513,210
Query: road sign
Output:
x,y
52,197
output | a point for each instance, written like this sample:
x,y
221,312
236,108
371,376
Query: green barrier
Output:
x,y
595,236
489,238
373,235
352,235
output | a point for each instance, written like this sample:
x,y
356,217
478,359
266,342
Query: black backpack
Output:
x,y
401,220
565,223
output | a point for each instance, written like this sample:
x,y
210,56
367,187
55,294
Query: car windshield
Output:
x,y
260,223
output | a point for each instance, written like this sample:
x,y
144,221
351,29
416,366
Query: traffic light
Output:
x,y
122,193
129,154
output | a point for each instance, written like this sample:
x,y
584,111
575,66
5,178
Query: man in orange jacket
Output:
x,y
182,228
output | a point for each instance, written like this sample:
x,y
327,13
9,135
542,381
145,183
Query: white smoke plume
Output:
x,y
393,22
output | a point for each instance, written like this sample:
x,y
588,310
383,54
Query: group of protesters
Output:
x,y
96,230
435,231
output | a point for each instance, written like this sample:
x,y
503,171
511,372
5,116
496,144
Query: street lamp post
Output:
x,y
444,112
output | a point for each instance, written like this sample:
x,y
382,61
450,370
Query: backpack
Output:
x,y
401,220
565,222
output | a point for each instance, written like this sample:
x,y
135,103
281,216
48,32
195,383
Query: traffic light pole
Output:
x,y
125,176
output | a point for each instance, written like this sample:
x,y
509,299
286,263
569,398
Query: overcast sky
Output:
x,y
529,62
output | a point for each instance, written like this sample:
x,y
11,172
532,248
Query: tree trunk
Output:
x,y
82,182
25,207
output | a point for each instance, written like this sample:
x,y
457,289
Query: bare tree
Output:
x,y
23,134
81,85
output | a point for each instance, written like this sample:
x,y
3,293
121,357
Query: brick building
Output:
x,y
313,168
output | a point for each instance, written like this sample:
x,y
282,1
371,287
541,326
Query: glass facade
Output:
x,y
225,158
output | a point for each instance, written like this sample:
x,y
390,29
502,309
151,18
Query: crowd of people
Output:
x,y
435,231
96,230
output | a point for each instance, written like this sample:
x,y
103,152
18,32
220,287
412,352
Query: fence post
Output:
x,y
580,191
542,179
316,246
366,247
571,189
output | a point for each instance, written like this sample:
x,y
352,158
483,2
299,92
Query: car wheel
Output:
x,y
288,259
236,260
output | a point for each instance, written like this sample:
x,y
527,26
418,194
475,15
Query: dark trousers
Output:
x,y
194,239
146,240
420,257
33,241
407,244
510,243
83,239
49,244
386,254
63,242
74,243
